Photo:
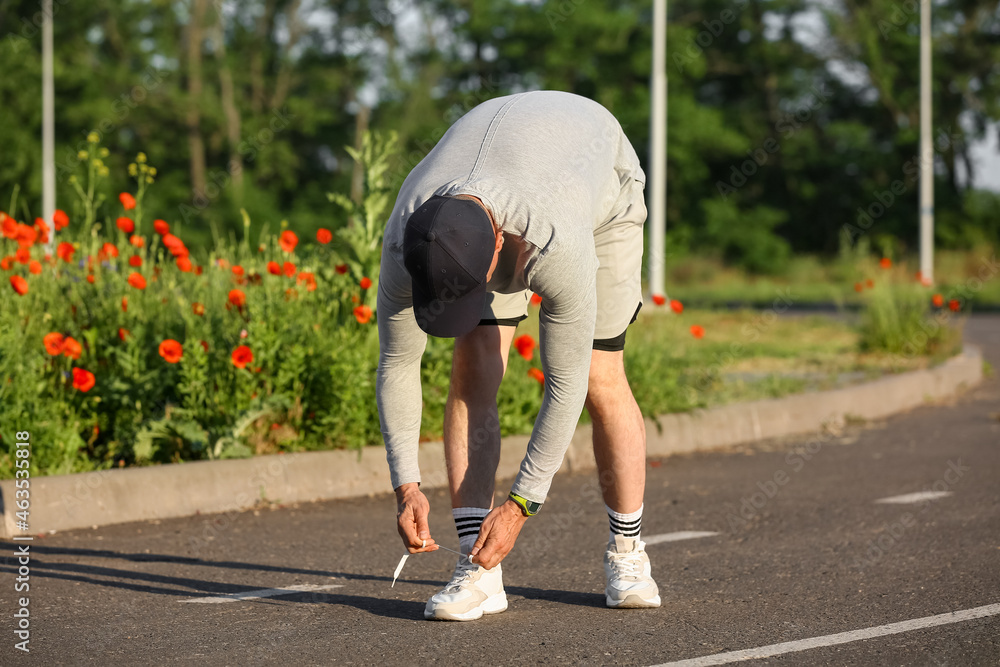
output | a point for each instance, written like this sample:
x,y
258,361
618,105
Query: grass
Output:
x,y
971,275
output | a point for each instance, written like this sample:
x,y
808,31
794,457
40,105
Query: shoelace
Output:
x,y
464,570
628,564
402,562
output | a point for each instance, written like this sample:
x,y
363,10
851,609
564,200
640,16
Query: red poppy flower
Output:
x,y
363,314
341,269
6,262
697,331
237,298
91,279
124,304
83,380
288,240
355,298
60,219
885,263
238,270
954,305
161,227
869,283
537,375
122,333
26,235
242,356
308,278
198,308
171,350
71,348
184,264
126,225
136,280
42,225
937,300
858,287
536,300
222,263
676,306
53,343
197,270
204,345
170,241
64,251
127,200
23,255
137,241
366,282
135,261
19,284
525,346
323,235
34,267
659,299
288,268
9,226
109,250
274,268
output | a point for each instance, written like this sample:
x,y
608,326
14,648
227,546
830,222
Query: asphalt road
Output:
x,y
802,551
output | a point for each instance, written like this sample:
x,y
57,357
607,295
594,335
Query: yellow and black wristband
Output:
x,y
528,507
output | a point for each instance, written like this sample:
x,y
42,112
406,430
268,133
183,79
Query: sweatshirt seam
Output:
x,y
491,133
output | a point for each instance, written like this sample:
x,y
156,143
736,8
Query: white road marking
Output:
x,y
263,593
918,497
840,638
675,537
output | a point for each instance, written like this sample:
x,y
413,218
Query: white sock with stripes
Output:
x,y
628,525
467,523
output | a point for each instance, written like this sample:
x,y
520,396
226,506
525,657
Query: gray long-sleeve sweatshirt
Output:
x,y
551,167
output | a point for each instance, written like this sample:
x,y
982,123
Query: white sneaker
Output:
x,y
630,584
472,592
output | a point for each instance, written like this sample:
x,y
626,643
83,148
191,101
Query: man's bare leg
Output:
x,y
619,433
471,422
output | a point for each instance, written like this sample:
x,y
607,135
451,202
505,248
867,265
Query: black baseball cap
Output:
x,y
448,247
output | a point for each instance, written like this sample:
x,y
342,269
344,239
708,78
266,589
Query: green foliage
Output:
x,y
896,319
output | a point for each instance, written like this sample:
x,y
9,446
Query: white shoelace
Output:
x,y
628,564
402,562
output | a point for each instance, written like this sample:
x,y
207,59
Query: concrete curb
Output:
x,y
137,494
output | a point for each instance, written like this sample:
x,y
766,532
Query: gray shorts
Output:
x,y
618,243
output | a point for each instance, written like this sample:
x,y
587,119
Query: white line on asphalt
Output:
x,y
918,497
263,593
675,537
840,638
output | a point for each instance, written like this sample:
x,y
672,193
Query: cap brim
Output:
x,y
448,319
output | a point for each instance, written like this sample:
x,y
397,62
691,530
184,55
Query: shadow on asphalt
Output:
x,y
157,584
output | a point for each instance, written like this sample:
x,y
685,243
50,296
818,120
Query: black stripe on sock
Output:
x,y
624,523
465,533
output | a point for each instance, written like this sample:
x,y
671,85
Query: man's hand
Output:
x,y
497,535
411,519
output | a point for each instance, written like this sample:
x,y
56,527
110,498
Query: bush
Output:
x,y
897,319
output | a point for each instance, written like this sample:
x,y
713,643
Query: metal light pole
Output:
x,y
926,150
48,125
658,150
